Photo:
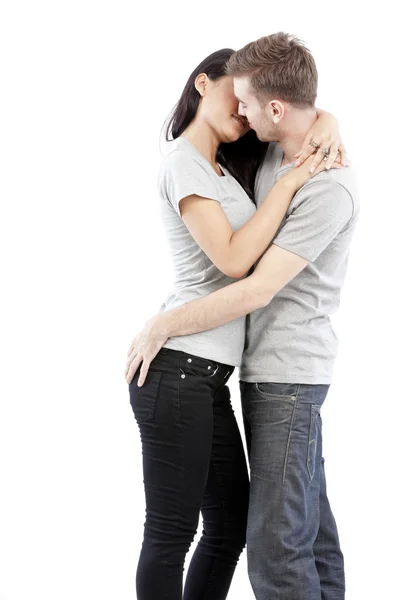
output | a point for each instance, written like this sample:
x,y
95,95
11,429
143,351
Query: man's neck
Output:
x,y
296,129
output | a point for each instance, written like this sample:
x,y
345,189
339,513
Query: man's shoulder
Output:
x,y
341,183
330,194
344,177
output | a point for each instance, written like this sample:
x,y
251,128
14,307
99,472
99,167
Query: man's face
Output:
x,y
259,117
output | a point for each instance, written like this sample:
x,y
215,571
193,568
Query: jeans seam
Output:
x,y
290,436
226,523
179,398
179,424
206,595
313,426
245,417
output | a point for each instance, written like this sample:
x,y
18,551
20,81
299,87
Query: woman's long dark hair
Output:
x,y
243,157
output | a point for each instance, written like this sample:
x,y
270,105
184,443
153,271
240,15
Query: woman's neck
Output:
x,y
204,139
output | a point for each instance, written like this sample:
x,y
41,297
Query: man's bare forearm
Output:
x,y
218,308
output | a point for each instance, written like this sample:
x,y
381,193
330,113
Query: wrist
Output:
x,y
160,326
290,181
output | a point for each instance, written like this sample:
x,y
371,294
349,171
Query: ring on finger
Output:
x,y
314,144
325,152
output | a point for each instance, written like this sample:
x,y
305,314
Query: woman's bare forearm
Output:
x,y
252,239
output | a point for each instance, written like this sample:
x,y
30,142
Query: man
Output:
x,y
292,540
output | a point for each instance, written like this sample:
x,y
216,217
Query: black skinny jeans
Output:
x,y
193,460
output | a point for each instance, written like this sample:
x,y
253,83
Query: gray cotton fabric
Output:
x,y
292,340
184,171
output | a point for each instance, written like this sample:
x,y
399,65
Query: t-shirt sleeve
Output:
x,y
319,211
181,175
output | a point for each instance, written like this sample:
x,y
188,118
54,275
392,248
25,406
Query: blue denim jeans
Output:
x,y
293,546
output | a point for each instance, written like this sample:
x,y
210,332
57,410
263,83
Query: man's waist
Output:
x,y
304,366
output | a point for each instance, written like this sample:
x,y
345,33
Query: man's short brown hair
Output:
x,y
278,65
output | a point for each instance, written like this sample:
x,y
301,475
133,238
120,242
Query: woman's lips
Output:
x,y
238,120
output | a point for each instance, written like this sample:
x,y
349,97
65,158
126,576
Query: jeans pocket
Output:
x,y
312,439
143,399
284,391
195,366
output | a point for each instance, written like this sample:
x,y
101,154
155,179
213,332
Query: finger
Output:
x,y
131,358
305,153
343,154
319,157
321,167
131,347
333,153
143,372
337,165
133,368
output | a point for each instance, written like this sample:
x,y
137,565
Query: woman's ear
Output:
x,y
201,84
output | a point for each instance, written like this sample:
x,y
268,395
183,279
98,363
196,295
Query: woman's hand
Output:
x,y
296,178
323,136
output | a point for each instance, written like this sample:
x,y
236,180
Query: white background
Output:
x,y
85,89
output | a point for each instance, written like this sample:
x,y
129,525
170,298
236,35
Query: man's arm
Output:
x,y
275,270
318,213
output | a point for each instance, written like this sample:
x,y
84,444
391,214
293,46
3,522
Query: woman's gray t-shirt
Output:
x,y
184,171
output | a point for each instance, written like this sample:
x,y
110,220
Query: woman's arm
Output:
x,y
234,253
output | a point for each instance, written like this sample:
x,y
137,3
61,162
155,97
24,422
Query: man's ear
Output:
x,y
276,110
201,84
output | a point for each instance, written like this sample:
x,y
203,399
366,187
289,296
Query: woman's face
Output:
x,y
220,109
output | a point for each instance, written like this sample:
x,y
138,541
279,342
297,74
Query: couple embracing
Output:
x,y
259,207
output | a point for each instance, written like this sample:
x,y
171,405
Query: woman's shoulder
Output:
x,y
180,159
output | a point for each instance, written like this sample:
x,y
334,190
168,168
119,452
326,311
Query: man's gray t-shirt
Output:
x,y
184,171
291,340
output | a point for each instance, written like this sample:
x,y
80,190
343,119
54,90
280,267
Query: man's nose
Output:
x,y
241,110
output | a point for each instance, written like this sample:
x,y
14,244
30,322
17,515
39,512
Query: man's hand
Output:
x,y
144,348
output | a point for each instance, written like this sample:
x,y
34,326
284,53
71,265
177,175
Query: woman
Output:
x,y
193,458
